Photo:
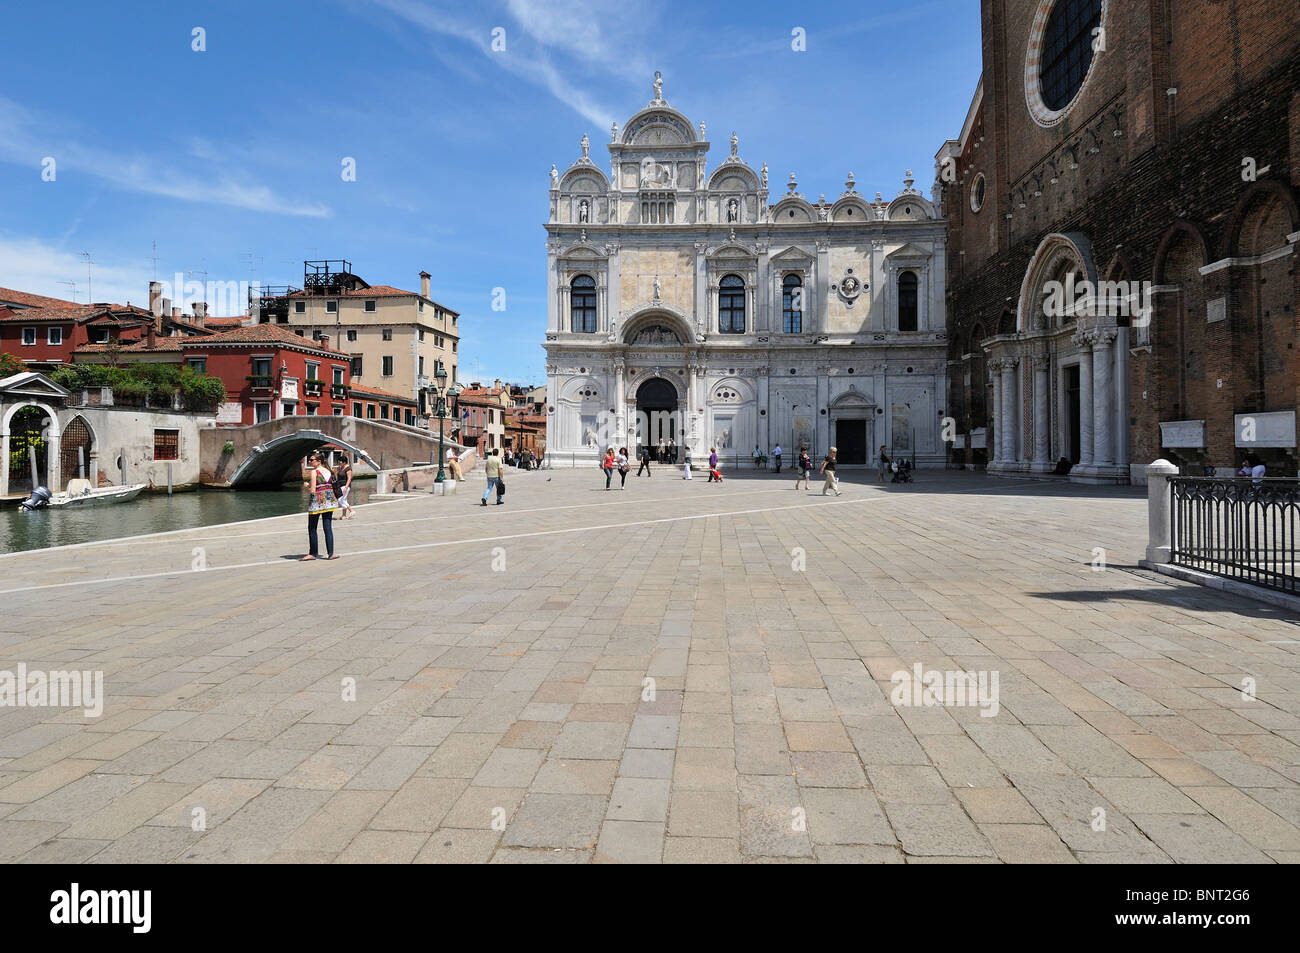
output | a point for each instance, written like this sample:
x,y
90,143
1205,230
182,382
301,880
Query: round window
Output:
x,y
977,193
1064,39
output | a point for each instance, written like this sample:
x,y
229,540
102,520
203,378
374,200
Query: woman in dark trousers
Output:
x,y
318,476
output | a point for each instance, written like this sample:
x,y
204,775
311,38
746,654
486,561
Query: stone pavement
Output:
x,y
677,672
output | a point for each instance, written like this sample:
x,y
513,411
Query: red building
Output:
x,y
270,372
45,337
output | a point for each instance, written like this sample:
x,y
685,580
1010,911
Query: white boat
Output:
x,y
81,493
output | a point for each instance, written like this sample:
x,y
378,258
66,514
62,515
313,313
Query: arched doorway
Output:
x,y
656,413
74,450
28,429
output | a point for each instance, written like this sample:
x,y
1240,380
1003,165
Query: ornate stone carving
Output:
x,y
555,177
586,146
763,175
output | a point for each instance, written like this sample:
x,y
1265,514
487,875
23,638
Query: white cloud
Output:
x,y
26,140
28,264
552,45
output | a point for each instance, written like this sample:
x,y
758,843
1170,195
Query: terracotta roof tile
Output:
x,y
262,334
365,391
161,344
33,301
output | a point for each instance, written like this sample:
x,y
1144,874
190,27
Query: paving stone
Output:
x,y
845,816
455,846
556,820
828,769
703,814
630,842
340,819
639,799
383,847
591,740
649,763
936,830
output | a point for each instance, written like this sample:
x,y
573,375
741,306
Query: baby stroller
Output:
x,y
902,471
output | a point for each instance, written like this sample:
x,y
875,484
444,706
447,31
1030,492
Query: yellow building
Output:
x,y
395,337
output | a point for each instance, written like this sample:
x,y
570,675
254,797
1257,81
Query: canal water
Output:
x,y
151,513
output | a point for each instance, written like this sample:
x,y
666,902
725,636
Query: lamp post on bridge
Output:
x,y
442,392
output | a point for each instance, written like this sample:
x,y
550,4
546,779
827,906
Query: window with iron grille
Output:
x,y
582,304
792,304
731,305
1067,50
166,444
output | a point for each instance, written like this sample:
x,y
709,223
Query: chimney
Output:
x,y
155,298
496,384
150,340
325,341
200,312
176,314
424,284
164,309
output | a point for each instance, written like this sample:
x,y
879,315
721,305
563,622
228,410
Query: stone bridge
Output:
x,y
266,454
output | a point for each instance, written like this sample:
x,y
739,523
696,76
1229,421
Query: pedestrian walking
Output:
x,y
623,467
828,468
663,451
607,464
321,505
645,462
713,465
343,487
758,458
686,465
805,469
883,463
776,457
492,470
672,451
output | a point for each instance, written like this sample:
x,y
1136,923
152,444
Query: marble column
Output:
x,y
1008,436
1042,414
4,464
1085,397
688,427
1103,398
991,448
620,402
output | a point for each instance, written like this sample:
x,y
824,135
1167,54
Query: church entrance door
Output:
x,y
851,441
656,412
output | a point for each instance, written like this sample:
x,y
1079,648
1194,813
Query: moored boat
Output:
x,y
81,493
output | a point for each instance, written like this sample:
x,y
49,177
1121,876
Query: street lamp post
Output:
x,y
440,410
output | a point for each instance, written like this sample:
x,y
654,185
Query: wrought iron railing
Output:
x,y
1237,528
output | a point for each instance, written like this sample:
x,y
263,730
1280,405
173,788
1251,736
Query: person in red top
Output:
x,y
608,466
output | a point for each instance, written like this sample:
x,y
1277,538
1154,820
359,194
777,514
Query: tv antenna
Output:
x,y
90,291
74,289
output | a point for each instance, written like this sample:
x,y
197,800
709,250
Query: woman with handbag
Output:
x,y
623,467
321,503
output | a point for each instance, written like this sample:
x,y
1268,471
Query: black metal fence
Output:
x,y
1237,528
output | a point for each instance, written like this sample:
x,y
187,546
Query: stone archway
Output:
x,y
656,414
75,449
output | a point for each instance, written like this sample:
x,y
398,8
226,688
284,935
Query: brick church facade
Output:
x,y
1123,212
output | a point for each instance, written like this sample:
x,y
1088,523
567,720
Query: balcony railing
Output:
x,y
340,391
1237,528
312,388
260,382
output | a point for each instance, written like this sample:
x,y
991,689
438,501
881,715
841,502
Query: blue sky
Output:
x,y
237,150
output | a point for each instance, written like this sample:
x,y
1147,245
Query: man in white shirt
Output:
x,y
776,456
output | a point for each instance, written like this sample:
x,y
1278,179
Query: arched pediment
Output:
x,y
794,255
657,321
909,207
734,176
1053,251
792,210
852,399
852,209
730,252
583,252
584,177
658,126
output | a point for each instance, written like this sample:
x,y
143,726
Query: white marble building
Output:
x,y
684,304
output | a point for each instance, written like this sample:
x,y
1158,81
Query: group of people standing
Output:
x,y
327,493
